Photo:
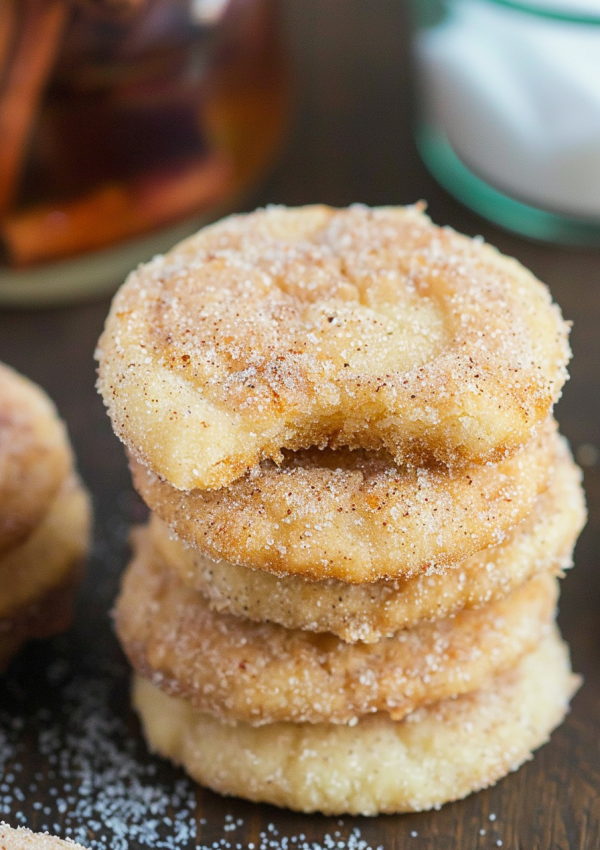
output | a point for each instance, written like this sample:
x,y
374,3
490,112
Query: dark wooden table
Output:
x,y
70,752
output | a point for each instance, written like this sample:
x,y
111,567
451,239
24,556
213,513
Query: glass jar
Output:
x,y
124,126
509,111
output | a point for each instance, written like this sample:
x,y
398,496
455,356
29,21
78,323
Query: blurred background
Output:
x,y
335,119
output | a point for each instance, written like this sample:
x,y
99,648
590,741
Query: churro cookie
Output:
x,y
35,457
39,578
24,839
541,543
49,554
437,754
262,673
48,614
363,328
354,515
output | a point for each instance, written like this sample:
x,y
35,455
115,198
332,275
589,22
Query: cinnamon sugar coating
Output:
x,y
49,554
354,515
439,753
35,457
24,839
542,543
47,614
39,578
360,328
261,673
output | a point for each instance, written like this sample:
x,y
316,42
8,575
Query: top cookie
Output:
x,y
289,328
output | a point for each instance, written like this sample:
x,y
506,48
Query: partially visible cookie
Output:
x,y
48,614
50,553
24,839
35,456
435,755
39,578
45,517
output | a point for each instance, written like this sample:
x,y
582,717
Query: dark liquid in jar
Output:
x,y
119,117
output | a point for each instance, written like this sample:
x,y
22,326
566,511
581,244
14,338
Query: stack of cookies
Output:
x,y
44,517
341,421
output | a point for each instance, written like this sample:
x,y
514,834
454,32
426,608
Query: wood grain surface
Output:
x,y
350,141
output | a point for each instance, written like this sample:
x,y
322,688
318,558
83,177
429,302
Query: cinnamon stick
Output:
x,y
42,23
8,19
113,212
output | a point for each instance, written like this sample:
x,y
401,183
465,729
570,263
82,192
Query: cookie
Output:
x,y
24,839
260,673
49,554
542,542
435,755
360,328
354,515
35,457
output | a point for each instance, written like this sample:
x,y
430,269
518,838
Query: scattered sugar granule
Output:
x,y
101,788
